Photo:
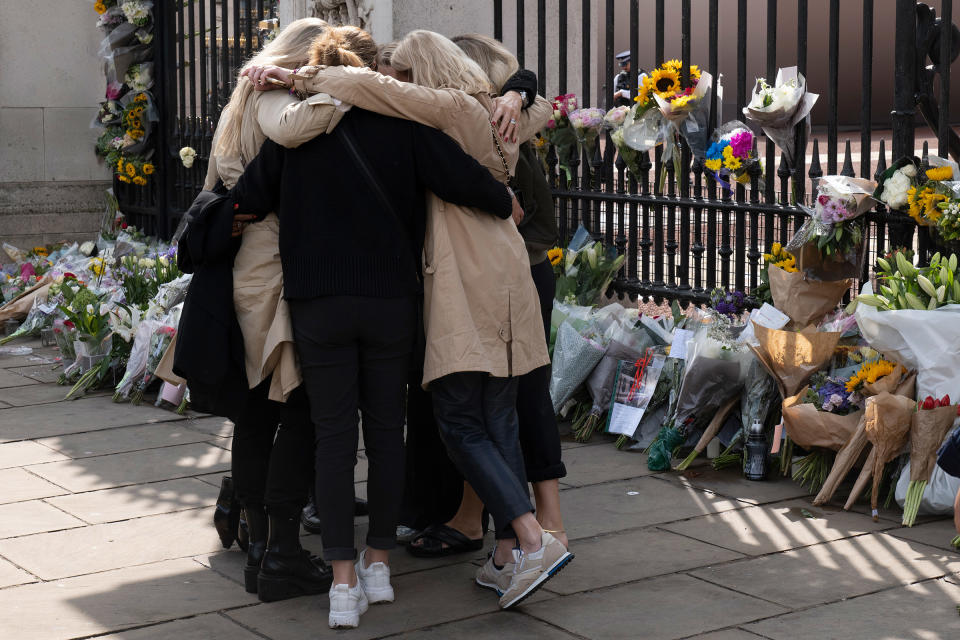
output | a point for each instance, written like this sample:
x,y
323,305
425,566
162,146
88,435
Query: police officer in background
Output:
x,y
623,82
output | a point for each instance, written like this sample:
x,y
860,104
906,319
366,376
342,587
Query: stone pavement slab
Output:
x,y
212,426
103,547
832,571
33,395
603,508
210,626
11,575
586,465
937,534
625,557
923,611
38,373
114,600
18,454
123,439
727,634
33,516
104,472
424,599
776,527
492,626
17,485
10,378
728,482
667,607
75,416
138,500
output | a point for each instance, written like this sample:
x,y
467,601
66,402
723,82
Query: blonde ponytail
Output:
x,y
344,46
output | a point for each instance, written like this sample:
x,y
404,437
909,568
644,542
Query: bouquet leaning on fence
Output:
x,y
778,109
732,155
561,134
829,245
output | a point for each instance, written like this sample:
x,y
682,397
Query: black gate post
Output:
x,y
905,78
163,97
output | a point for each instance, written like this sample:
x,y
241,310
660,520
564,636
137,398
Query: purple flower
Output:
x,y
741,144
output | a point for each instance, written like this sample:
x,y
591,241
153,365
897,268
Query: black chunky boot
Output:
x,y
226,515
287,569
256,547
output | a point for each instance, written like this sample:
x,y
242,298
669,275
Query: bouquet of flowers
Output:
x,y
829,245
931,422
159,342
897,182
908,287
137,11
560,132
778,109
615,120
139,77
730,304
587,273
778,257
732,154
587,124
576,353
931,193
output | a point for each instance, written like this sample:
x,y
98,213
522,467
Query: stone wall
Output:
x,y
51,184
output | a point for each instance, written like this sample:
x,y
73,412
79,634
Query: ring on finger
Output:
x,y
513,121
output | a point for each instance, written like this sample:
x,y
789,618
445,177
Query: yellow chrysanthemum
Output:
x,y
940,173
732,162
130,169
713,165
148,168
666,81
97,266
555,256
682,101
100,8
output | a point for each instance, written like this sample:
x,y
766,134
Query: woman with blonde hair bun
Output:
x,y
482,320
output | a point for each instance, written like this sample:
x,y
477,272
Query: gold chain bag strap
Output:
x,y
511,180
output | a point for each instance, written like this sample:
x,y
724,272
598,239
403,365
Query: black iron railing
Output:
x,y
690,236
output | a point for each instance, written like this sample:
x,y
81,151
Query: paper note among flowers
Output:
x,y
678,349
766,316
634,386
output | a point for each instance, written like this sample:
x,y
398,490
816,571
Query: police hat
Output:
x,y
623,56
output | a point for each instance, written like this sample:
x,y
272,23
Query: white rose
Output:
x,y
87,247
187,156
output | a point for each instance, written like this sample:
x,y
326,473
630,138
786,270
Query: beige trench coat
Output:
x,y
481,308
257,273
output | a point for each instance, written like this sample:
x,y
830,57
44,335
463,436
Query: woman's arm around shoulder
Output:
x,y
534,119
290,122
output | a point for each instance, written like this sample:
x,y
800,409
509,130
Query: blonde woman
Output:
x,y
482,319
272,466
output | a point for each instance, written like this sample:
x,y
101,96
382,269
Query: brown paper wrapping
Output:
x,y
930,427
850,452
716,423
888,419
816,266
165,368
804,301
19,307
862,480
808,427
792,357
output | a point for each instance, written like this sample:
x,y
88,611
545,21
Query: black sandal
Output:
x,y
436,536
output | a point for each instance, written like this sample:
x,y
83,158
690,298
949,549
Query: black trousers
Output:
x,y
539,435
477,416
272,452
354,354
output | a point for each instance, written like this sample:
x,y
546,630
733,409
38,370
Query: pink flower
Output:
x,y
113,90
27,270
741,144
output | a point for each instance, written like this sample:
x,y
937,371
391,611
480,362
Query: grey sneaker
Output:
x,y
489,577
532,570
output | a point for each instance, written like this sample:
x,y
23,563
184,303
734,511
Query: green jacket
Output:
x,y
539,226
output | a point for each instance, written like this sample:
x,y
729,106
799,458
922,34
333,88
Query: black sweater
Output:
x,y
335,236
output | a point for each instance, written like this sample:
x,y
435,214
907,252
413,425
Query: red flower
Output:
x,y
69,324
68,276
929,403
945,401
123,225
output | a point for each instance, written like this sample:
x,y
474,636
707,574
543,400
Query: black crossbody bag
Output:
x,y
420,339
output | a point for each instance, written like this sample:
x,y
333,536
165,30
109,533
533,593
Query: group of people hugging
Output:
x,y
369,252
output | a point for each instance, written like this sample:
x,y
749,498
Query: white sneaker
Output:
x,y
346,606
375,580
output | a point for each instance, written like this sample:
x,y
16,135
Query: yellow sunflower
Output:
x,y
130,169
939,173
142,97
148,168
100,8
665,81
139,181
555,256
123,178
672,64
694,72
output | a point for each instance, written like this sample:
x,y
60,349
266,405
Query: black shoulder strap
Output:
x,y
361,162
